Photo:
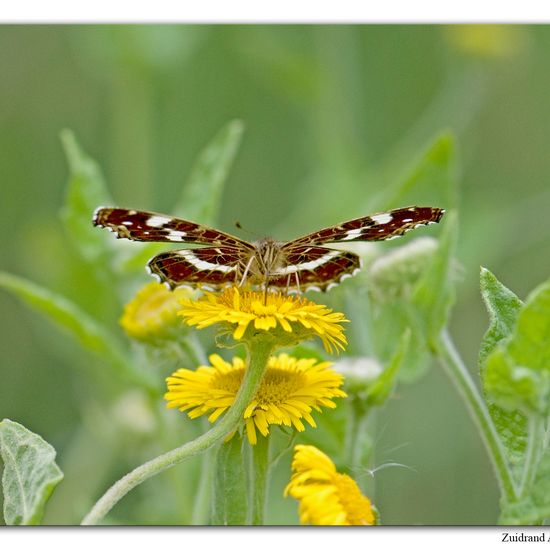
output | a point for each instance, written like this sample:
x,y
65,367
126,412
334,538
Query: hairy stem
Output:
x,y
258,355
458,372
532,453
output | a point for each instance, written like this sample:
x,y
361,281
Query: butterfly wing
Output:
x,y
313,267
378,227
210,267
138,225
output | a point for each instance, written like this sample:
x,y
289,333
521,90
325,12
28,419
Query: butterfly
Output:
x,y
297,265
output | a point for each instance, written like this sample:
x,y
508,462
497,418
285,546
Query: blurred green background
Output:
x,y
333,114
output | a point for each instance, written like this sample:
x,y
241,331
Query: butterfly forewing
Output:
x,y
138,225
378,227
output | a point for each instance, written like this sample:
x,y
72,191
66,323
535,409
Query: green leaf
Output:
x,y
517,372
230,493
503,307
434,294
30,473
380,389
86,191
433,174
389,325
200,199
534,507
68,316
425,309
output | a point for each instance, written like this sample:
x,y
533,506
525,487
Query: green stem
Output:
x,y
259,479
532,453
258,355
458,372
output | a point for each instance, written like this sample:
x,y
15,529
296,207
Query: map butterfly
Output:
x,y
297,265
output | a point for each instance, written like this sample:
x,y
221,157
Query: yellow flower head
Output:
x,y
326,496
290,389
151,315
290,319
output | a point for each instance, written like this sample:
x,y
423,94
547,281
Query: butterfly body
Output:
x,y
297,265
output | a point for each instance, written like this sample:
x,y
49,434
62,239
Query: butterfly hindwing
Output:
x,y
213,267
314,267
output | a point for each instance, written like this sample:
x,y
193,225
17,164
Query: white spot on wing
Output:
x,y
176,236
202,265
307,265
157,221
382,218
352,234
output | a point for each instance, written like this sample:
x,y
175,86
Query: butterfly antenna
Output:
x,y
255,236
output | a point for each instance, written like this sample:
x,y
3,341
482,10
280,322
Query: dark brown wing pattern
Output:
x,y
378,227
212,267
138,225
309,267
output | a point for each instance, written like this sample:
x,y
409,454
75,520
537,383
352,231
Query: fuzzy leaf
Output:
x,y
534,507
503,307
86,191
517,372
68,316
200,199
30,473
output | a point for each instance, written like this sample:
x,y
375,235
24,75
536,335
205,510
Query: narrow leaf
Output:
x,y
86,190
200,199
434,294
30,473
68,316
433,174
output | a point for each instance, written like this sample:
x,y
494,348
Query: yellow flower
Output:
x,y
290,319
151,315
326,496
290,389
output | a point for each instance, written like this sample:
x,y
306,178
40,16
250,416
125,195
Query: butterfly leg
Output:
x,y
297,283
287,285
246,270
